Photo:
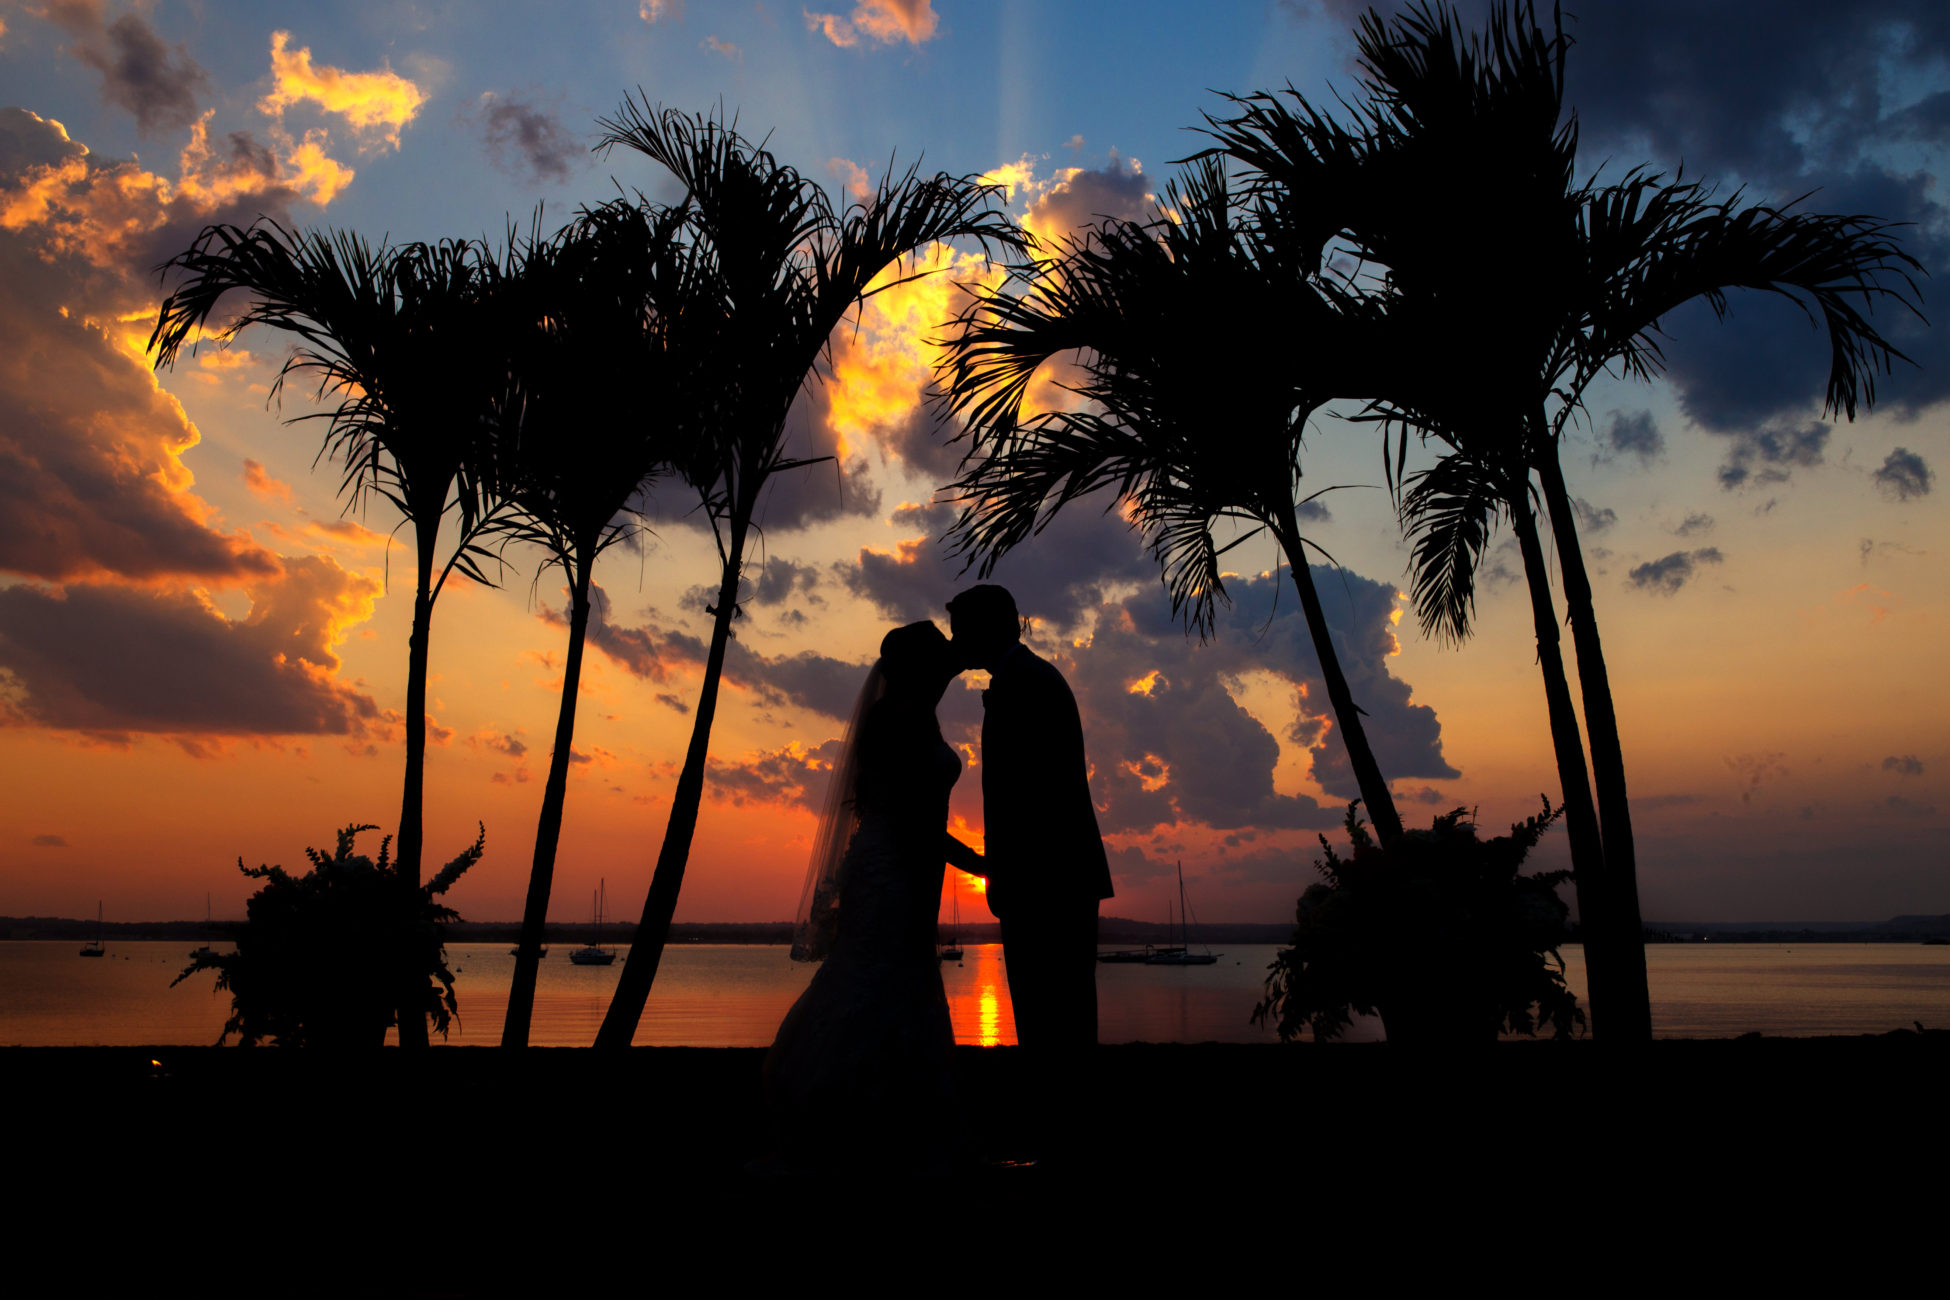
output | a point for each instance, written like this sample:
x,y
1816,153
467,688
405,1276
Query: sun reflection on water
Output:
x,y
978,998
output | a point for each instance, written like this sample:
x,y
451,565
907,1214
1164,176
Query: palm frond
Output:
x,y
784,270
1449,512
1655,245
388,333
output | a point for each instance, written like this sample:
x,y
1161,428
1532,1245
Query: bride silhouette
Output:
x,y
861,1072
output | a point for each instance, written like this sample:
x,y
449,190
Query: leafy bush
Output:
x,y
1440,936
324,957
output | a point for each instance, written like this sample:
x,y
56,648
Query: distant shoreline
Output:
x,y
1113,931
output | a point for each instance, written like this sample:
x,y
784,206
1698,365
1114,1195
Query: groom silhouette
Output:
x,y
1047,860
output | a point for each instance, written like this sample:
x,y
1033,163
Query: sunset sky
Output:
x,y
202,656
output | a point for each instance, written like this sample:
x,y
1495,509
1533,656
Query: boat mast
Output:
x,y
1184,920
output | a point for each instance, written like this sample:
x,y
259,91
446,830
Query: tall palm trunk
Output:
x,y
653,931
1631,1013
1589,866
406,860
548,831
1360,757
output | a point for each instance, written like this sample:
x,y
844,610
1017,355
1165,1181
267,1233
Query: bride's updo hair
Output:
x,y
917,653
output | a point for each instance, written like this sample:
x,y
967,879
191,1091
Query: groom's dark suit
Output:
x,y
1046,857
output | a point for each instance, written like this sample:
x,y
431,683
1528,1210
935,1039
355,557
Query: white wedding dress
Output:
x,y
861,1072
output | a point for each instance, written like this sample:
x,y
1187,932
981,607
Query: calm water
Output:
x,y
734,995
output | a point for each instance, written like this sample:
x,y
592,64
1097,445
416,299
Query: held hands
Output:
x,y
962,858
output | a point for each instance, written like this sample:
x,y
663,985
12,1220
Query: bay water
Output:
x,y
733,995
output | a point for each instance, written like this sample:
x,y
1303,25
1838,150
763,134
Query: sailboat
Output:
x,y
1183,955
595,954
951,951
96,948
1148,953
203,949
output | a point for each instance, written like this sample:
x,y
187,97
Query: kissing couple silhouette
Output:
x,y
861,1074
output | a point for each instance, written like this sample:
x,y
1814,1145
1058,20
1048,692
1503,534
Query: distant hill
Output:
x,y
1897,929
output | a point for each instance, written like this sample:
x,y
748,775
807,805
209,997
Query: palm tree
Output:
x,y
1189,328
784,269
573,451
1584,276
393,335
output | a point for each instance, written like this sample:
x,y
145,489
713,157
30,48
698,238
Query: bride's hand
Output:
x,y
963,858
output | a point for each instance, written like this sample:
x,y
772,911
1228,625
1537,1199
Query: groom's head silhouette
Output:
x,y
985,625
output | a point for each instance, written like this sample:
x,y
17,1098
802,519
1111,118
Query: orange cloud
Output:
x,y
1014,176
92,480
119,216
377,104
725,48
887,22
653,11
882,369
260,482
852,176
111,658
1079,197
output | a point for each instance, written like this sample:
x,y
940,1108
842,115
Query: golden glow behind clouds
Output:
x,y
375,103
881,370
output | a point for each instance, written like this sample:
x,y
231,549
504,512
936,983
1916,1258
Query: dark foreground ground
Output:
x,y
469,1171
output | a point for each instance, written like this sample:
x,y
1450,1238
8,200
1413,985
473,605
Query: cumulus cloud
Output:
x,y
1694,525
527,139
1081,197
375,104
1770,455
262,484
852,178
1593,519
883,22
775,580
1669,573
92,480
139,71
1791,99
1084,557
795,776
1168,739
498,742
1636,434
882,367
637,650
724,48
807,680
95,495
820,427
656,11
1903,765
1904,476
114,659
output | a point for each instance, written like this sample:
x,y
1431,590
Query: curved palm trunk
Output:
x,y
1631,1012
1360,757
406,860
1567,741
653,931
548,831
